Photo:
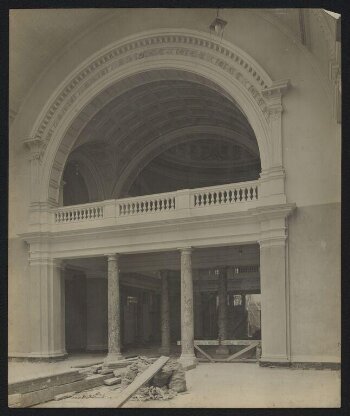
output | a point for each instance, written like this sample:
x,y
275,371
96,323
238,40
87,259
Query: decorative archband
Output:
x,y
196,46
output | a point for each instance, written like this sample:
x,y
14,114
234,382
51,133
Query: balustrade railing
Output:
x,y
226,194
79,213
146,205
179,201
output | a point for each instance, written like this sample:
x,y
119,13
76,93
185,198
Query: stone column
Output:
x,y
114,353
165,316
47,314
188,358
274,301
198,313
222,312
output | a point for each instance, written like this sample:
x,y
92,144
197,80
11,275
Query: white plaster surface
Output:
x,y
239,386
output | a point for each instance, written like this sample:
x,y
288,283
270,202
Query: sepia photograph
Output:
x,y
174,230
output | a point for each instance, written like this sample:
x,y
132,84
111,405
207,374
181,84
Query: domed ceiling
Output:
x,y
170,125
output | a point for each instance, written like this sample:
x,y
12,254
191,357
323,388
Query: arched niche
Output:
x,y
223,65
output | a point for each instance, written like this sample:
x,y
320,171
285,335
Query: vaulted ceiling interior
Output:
x,y
177,131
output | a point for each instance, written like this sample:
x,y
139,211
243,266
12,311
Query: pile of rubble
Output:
x,y
165,385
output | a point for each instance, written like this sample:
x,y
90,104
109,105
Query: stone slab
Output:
x,y
64,395
45,395
112,381
43,382
14,400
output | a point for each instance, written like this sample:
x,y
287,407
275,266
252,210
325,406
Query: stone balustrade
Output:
x,y
147,204
164,206
225,194
78,213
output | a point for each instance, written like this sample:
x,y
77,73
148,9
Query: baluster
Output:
x,y
214,198
160,203
174,203
220,197
246,195
205,199
199,200
234,195
256,192
156,205
146,206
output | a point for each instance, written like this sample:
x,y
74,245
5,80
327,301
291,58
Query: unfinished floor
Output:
x,y
238,385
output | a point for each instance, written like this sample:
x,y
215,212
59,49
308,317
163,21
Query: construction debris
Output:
x,y
91,395
154,393
164,385
145,371
134,369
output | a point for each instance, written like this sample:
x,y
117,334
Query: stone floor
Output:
x,y
238,385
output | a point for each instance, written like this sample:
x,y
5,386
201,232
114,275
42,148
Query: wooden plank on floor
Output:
x,y
224,342
203,353
244,350
140,381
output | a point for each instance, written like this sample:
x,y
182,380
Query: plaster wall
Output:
x,y
314,266
311,157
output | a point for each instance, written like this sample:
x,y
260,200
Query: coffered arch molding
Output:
x,y
219,61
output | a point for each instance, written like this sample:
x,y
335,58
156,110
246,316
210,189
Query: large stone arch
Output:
x,y
225,65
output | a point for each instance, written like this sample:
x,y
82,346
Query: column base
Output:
x,y
274,362
222,350
112,358
43,357
188,362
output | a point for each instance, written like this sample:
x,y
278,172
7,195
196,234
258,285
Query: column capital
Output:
x,y
112,256
185,250
277,241
35,146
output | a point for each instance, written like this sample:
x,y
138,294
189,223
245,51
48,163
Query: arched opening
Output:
x,y
163,133
167,134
